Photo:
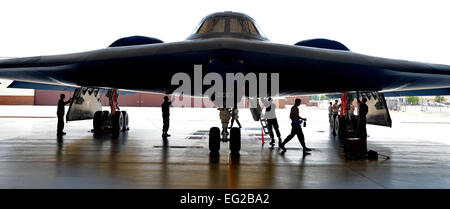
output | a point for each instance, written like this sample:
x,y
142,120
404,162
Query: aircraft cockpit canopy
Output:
x,y
228,24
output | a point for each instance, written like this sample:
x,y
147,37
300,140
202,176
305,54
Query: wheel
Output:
x,y
347,156
235,140
117,122
336,126
125,120
341,128
105,117
98,121
214,139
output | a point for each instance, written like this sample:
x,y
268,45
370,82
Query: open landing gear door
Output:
x,y
378,112
86,101
255,108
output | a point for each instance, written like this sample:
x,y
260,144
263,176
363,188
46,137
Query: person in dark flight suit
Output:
x,y
60,113
362,113
165,114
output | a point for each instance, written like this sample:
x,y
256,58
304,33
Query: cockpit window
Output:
x,y
228,24
250,27
235,26
216,25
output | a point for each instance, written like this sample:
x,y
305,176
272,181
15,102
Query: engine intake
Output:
x,y
135,40
323,43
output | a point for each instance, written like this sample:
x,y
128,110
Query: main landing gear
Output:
x,y
115,121
338,126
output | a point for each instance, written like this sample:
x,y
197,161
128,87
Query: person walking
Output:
x,y
296,128
235,117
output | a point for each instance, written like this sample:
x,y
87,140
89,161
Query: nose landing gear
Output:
x,y
234,140
234,135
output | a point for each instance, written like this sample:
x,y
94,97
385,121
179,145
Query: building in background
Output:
x,y
291,100
15,96
51,97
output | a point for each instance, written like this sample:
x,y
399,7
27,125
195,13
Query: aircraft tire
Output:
x,y
340,129
105,117
214,139
235,140
336,126
125,120
98,121
117,122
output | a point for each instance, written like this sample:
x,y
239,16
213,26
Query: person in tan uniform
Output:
x,y
335,109
225,116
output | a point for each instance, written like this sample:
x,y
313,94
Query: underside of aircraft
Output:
x,y
224,42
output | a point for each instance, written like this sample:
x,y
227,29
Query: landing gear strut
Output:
x,y
339,122
115,121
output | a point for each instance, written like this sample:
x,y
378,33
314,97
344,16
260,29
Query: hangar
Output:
x,y
225,42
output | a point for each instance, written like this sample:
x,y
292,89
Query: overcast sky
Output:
x,y
411,30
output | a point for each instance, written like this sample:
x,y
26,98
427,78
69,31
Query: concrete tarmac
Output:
x,y
30,157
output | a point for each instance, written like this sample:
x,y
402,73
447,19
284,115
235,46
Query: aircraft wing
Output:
x,y
40,86
420,92
302,70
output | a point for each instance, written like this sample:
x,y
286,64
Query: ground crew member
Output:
x,y
272,121
235,116
165,115
60,113
351,114
225,116
362,113
296,128
335,110
330,113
